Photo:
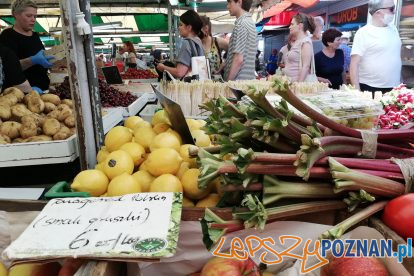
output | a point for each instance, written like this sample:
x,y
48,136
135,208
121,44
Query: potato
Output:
x,y
68,102
62,134
64,114
14,91
9,100
70,121
31,94
4,139
39,138
11,129
18,111
33,118
35,105
51,98
5,112
49,107
28,130
72,131
63,106
51,126
53,114
19,140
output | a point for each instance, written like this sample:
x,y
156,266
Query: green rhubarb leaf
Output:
x,y
256,217
355,199
243,159
309,153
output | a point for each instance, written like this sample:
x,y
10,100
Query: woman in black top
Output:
x,y
26,44
329,63
131,60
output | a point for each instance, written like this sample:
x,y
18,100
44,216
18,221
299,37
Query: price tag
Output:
x,y
132,226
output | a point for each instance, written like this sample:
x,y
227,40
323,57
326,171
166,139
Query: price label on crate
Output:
x,y
132,226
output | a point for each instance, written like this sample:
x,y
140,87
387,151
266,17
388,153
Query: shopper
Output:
x,y
190,28
377,44
11,74
272,63
281,57
298,59
131,59
329,63
213,46
26,44
240,62
317,34
347,52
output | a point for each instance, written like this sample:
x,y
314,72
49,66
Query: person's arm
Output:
x,y
235,66
24,87
306,61
354,70
178,72
26,63
222,43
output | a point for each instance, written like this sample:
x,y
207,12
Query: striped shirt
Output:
x,y
243,41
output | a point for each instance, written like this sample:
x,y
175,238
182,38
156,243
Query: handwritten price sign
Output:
x,y
130,226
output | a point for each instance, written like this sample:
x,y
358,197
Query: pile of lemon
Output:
x,y
148,157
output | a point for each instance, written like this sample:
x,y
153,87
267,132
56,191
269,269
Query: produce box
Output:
x,y
347,108
111,117
36,153
138,105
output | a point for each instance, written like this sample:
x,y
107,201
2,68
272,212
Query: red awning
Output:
x,y
281,19
284,4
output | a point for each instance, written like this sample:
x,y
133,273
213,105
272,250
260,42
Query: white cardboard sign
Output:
x,y
132,226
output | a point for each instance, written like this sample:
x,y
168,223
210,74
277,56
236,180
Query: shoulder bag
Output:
x,y
311,77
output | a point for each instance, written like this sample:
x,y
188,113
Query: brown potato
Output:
x,y
72,131
9,100
30,95
20,110
64,114
19,140
49,107
70,121
39,138
28,130
14,91
51,126
4,138
68,102
51,98
33,118
11,129
5,112
63,106
53,114
62,134
36,105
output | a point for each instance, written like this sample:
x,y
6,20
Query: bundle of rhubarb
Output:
x,y
273,163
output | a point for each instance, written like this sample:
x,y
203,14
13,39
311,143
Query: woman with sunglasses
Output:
x,y
190,29
298,59
377,43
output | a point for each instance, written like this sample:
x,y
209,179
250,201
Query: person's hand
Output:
x,y
324,81
160,67
41,59
38,90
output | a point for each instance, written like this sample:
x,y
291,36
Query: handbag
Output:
x,y
200,66
311,77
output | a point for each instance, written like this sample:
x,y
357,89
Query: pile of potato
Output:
x,y
34,117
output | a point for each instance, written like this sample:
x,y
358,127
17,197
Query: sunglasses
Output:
x,y
391,9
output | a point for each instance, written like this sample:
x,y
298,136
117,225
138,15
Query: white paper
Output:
x,y
96,226
21,193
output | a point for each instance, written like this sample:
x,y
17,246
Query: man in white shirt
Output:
x,y
375,57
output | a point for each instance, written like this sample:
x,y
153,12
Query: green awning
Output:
x,y
152,22
37,27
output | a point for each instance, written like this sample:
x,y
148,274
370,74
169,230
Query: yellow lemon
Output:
x,y
123,184
143,166
166,183
160,117
162,161
215,185
135,150
186,157
117,163
161,127
116,137
210,201
201,123
144,136
144,179
165,140
3,270
94,182
185,166
100,166
192,124
201,139
132,121
142,124
176,135
104,195
187,202
102,154
190,185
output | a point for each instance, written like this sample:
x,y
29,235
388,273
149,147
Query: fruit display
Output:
x,y
148,157
133,73
347,108
110,96
398,106
34,117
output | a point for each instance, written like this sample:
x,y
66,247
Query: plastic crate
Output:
x,y
62,189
